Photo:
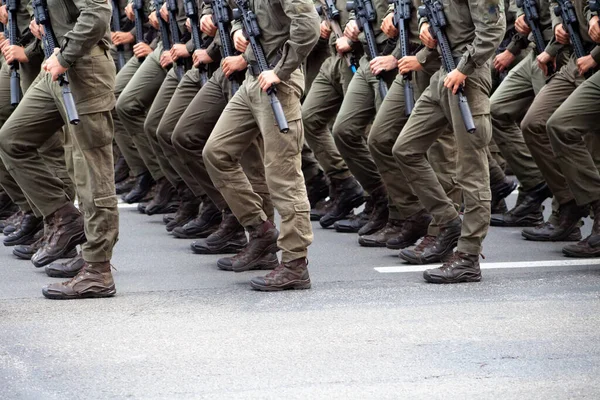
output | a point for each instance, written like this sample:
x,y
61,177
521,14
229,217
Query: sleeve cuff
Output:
x,y
425,55
281,73
595,53
62,60
213,50
465,66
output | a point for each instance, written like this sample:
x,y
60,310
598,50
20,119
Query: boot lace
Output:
x,y
427,241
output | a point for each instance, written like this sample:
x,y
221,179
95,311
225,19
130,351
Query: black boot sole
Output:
x,y
27,256
226,248
573,235
109,292
294,285
465,277
401,245
524,222
201,234
574,254
352,204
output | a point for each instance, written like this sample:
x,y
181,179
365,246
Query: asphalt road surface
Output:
x,y
370,328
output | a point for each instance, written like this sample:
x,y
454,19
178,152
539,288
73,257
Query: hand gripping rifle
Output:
x,y
222,19
252,32
365,16
138,11
40,12
115,25
191,11
532,17
566,12
13,36
402,11
175,35
433,10
328,10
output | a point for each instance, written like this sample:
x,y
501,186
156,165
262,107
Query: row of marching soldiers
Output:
x,y
218,113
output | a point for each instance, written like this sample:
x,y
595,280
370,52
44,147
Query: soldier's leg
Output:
x,y
165,185
134,102
568,127
122,137
408,220
189,205
189,139
536,136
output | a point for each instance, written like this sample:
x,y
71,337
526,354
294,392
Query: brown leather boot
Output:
x,y
229,238
203,225
380,214
290,275
567,229
461,267
66,270
263,241
413,229
590,246
391,230
435,249
65,233
165,194
188,209
94,280
267,261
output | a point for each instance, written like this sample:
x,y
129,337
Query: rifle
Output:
x,y
365,16
532,16
222,19
433,10
566,11
175,35
115,25
402,11
191,11
328,10
40,12
138,10
13,35
252,31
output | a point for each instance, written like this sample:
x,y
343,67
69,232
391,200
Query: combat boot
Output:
x,y
290,275
569,217
349,196
65,233
528,209
353,223
380,213
187,209
590,246
165,195
121,170
317,189
203,225
461,267
143,185
263,241
267,261
391,230
125,186
323,206
12,223
66,270
413,229
25,252
500,190
93,280
7,207
29,227
229,238
435,249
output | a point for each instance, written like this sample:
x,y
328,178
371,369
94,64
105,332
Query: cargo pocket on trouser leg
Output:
x,y
101,229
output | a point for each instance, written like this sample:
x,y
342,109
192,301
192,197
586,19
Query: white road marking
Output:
x,y
127,206
498,265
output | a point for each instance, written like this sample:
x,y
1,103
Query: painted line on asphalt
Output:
x,y
126,206
498,265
